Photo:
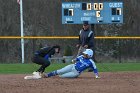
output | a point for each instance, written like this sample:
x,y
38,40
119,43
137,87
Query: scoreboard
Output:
x,y
93,12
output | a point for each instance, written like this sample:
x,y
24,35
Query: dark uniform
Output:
x,y
42,56
86,37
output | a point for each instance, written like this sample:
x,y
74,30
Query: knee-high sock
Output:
x,y
54,73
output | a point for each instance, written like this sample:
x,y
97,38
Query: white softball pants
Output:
x,y
68,72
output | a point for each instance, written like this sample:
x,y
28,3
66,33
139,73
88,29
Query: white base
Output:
x,y
32,77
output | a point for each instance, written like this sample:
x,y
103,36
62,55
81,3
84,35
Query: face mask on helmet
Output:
x,y
88,52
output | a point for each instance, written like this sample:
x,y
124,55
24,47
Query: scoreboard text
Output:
x,y
94,13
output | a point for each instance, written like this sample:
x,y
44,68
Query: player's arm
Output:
x,y
76,59
89,39
95,70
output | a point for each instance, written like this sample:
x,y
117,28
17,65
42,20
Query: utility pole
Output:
x,y
21,28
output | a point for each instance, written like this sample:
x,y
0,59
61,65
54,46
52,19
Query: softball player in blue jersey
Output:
x,y
74,70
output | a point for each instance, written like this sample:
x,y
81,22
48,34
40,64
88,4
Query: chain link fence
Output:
x,y
43,18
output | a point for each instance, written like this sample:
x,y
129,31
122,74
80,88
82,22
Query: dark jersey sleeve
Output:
x,y
79,37
44,51
52,52
89,39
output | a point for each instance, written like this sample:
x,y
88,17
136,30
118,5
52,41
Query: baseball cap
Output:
x,y
56,46
85,23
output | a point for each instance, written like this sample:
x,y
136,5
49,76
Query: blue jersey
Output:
x,y
84,63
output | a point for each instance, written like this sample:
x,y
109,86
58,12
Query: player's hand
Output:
x,y
73,61
85,46
77,45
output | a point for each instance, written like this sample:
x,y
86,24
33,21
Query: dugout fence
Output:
x,y
107,49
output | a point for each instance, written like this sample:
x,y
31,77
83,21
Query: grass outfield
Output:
x,y
102,67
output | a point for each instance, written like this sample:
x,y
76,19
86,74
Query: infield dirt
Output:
x,y
115,82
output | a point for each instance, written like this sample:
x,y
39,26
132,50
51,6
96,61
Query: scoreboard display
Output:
x,y
94,13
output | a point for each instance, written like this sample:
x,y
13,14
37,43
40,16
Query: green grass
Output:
x,y
25,68
102,67
115,67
